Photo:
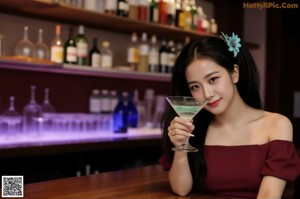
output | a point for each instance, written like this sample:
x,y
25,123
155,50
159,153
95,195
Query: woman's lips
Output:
x,y
215,103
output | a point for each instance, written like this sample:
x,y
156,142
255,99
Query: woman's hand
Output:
x,y
180,130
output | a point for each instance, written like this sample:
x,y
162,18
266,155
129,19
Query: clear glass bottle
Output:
x,y
143,54
82,47
47,107
106,55
12,118
94,55
110,7
153,55
95,102
25,46
41,50
70,50
11,110
57,48
133,52
32,116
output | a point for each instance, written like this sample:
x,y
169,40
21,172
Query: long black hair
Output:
x,y
215,49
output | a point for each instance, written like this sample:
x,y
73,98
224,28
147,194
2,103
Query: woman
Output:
x,y
244,151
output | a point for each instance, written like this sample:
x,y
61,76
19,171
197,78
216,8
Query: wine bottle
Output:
x,y
106,55
143,54
163,57
70,50
57,49
120,115
171,56
122,8
94,55
133,52
153,55
132,113
153,11
82,46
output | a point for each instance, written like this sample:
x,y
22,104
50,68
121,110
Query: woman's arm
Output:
x,y
280,129
180,176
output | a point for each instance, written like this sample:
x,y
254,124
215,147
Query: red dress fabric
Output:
x,y
237,171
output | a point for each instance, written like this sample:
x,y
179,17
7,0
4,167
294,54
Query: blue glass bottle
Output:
x,y
120,116
132,113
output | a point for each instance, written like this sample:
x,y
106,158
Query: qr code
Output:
x,y
12,186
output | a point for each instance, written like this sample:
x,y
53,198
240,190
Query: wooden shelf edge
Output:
x,y
82,71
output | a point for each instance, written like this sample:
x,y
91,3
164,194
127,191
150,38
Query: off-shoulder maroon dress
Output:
x,y
237,171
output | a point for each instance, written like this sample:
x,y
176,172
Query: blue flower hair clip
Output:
x,y
232,42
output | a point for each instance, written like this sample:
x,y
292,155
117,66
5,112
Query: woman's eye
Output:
x,y
194,87
213,79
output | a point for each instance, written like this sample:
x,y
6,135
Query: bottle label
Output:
x,y
153,57
71,54
144,49
105,104
106,61
181,20
82,49
164,58
95,105
133,55
57,54
96,59
171,59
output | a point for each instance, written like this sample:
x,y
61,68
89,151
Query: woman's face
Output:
x,y
208,80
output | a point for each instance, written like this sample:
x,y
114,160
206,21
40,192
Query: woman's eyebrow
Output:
x,y
210,74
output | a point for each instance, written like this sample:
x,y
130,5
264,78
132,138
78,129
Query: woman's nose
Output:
x,y
208,92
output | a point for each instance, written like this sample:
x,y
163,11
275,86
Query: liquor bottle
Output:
x,y
179,16
171,56
106,55
194,14
24,46
143,10
82,47
133,12
213,26
132,113
70,50
90,5
133,52
153,11
105,102
202,22
122,8
171,12
143,54
94,55
95,102
57,49
153,55
120,115
187,15
163,57
113,100
163,9
110,7
41,50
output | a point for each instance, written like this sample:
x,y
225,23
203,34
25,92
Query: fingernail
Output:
x,y
192,135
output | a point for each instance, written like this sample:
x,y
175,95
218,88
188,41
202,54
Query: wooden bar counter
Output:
x,y
150,182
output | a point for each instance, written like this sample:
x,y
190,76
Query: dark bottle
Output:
x,y
179,15
171,56
120,116
94,55
82,47
132,113
153,11
70,52
163,57
122,8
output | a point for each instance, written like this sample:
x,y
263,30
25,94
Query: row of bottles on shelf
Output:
x,y
107,112
74,50
183,14
151,56
143,55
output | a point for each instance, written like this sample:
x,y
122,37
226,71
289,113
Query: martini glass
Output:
x,y
186,107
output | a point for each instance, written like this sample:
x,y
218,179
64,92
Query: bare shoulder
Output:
x,y
279,126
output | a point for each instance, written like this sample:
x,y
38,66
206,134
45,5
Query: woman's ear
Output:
x,y
235,74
